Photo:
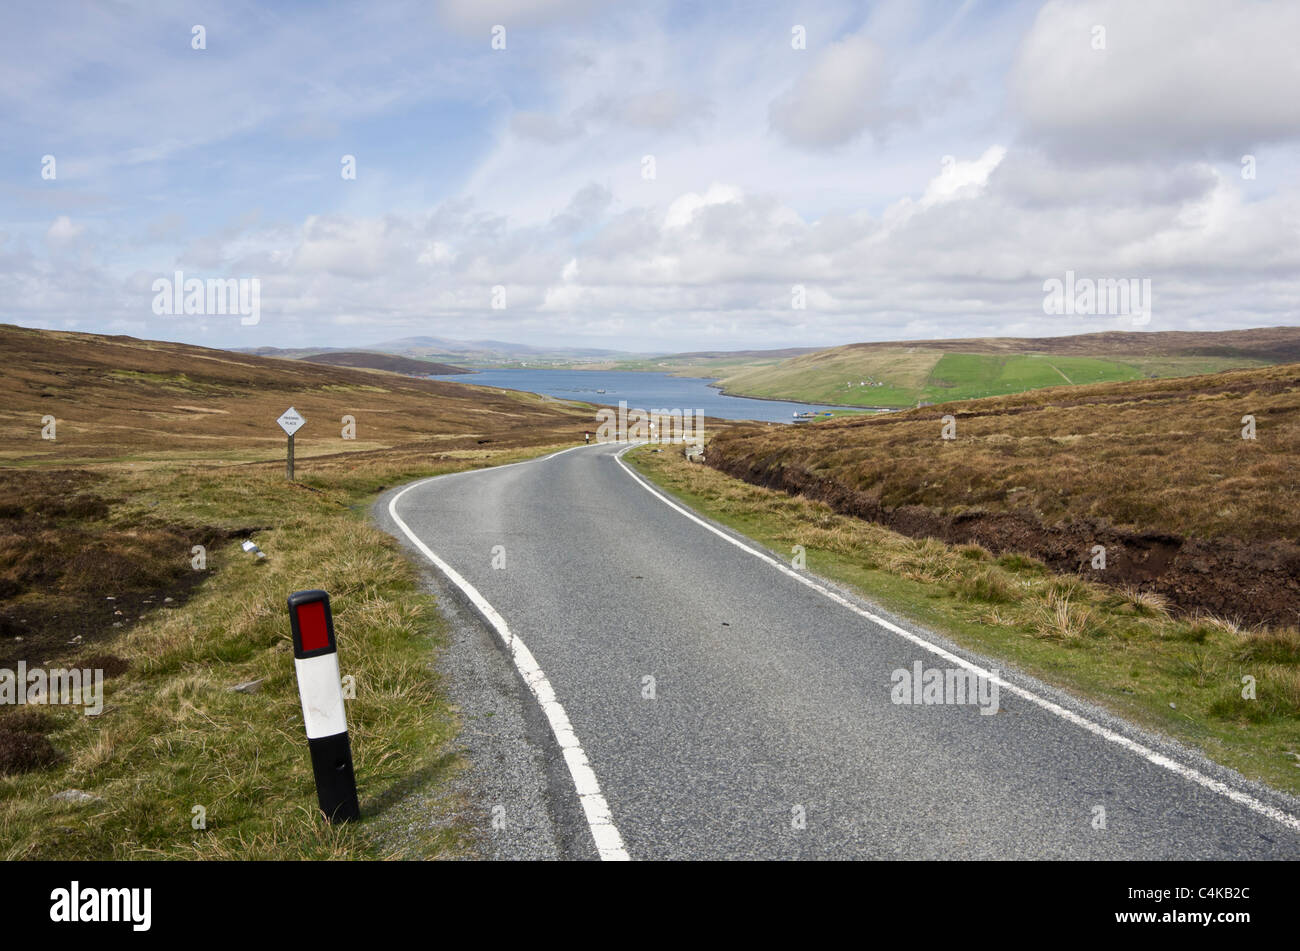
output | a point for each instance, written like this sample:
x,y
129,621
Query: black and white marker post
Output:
x,y
316,661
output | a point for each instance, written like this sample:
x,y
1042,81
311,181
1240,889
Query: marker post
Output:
x,y
290,421
316,662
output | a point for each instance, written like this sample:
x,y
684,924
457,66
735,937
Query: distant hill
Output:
x,y
382,361
900,374
1272,344
290,353
122,398
738,354
710,364
476,352
489,351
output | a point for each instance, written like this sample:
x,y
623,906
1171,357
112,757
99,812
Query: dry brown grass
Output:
x,y
1145,602
1151,456
161,447
146,402
1059,617
1157,472
1214,622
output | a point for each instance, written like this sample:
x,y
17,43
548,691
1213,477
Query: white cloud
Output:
x,y
840,96
682,211
962,177
524,169
1176,77
62,232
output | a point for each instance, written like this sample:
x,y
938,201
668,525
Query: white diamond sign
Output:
x,y
291,421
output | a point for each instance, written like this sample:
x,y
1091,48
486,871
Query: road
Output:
x,y
704,700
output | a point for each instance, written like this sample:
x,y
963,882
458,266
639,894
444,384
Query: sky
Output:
x,y
647,176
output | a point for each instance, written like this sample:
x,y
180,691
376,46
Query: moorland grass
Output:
x,y
173,734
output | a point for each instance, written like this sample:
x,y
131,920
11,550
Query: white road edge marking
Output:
x,y
606,835
1151,756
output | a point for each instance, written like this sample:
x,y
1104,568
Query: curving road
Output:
x,y
769,728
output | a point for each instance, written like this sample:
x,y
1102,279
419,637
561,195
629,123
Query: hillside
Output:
x,y
364,359
477,353
122,406
118,398
1276,344
1155,471
120,550
709,364
901,374
490,352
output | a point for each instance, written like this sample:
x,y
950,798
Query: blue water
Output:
x,y
644,391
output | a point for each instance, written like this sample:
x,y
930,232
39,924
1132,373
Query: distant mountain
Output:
x,y
368,360
739,354
476,352
484,351
291,353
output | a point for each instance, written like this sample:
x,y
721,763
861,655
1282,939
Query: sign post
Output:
x,y
316,663
290,421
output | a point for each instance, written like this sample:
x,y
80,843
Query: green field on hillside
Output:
x,y
966,375
904,376
836,376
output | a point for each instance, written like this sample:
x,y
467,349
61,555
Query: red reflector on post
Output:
x,y
311,626
316,663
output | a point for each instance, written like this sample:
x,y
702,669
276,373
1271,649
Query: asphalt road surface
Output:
x,y
693,696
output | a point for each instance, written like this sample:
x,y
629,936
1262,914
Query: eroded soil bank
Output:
x,y
1252,582
72,577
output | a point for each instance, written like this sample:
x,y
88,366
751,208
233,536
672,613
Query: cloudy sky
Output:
x,y
648,176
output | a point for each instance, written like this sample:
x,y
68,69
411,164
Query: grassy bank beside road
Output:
x,y
174,735
1119,648
118,458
